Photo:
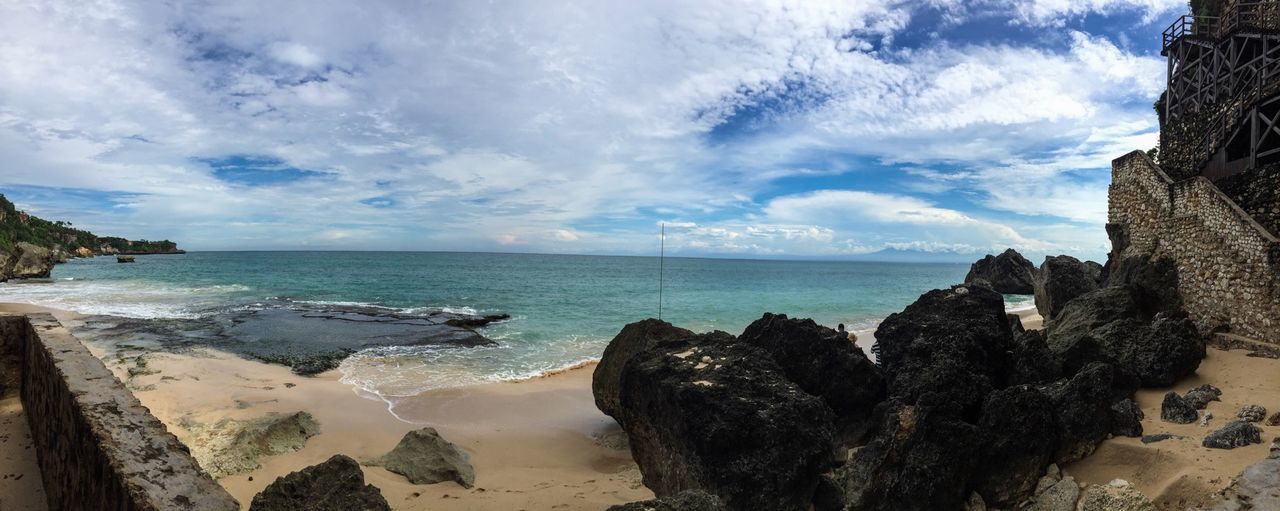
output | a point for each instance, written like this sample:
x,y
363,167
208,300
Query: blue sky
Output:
x,y
752,129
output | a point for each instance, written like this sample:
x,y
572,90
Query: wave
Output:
x,y
127,298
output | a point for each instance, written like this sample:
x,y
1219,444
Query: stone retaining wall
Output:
x,y
1227,263
98,447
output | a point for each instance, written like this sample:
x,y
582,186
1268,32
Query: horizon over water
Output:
x,y
564,308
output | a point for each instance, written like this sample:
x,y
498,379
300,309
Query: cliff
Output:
x,y
30,246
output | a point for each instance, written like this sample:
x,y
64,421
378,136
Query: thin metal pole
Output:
x,y
662,254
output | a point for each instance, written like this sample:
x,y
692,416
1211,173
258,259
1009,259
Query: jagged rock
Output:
x,y
953,343
231,447
1008,273
1020,429
28,262
1176,409
1033,361
1118,495
1083,404
1108,325
1235,434
920,459
423,457
1274,419
335,485
1251,413
1257,488
1060,279
824,365
1126,418
1154,283
1061,496
1200,397
734,427
633,338
688,500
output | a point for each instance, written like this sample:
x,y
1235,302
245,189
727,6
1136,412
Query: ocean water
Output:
x,y
564,308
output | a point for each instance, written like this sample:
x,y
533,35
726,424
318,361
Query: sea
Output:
x,y
564,308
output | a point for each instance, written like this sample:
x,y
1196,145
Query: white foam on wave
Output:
x,y
128,298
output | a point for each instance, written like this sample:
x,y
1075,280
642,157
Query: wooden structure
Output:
x,y
1224,73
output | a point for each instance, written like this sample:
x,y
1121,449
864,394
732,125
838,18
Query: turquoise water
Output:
x,y
564,308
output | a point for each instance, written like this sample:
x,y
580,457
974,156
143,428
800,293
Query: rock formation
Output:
x,y
1008,273
423,457
231,446
1236,433
634,338
1060,279
335,485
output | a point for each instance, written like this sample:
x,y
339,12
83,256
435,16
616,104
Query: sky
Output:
x,y
762,129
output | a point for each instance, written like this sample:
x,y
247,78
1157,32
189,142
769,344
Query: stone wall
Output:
x,y
98,447
1227,263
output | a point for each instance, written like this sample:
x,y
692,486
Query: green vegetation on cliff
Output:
x,y
17,227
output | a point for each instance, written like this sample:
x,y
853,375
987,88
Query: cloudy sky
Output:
x,y
753,129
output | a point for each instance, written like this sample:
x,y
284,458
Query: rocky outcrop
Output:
x,y
1008,273
335,485
688,500
26,261
84,252
423,457
231,446
1256,489
953,344
634,338
708,412
1059,280
822,364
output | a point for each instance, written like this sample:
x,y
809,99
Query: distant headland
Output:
x,y
30,246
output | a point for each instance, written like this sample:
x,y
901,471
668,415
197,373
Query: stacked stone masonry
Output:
x,y
1227,262
98,447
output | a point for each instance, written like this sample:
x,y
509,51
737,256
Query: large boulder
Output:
x,y
1020,437
688,500
1008,273
921,459
1083,406
28,261
824,364
708,412
335,485
633,338
423,457
1059,280
954,343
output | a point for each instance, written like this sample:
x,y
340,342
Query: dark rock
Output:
x,y
1251,413
1126,418
1059,280
1274,419
954,343
423,457
1154,283
824,365
335,485
633,338
688,500
1033,361
476,321
1234,434
1020,431
921,459
1159,437
1007,273
1200,397
1015,323
733,426
1177,410
1084,410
